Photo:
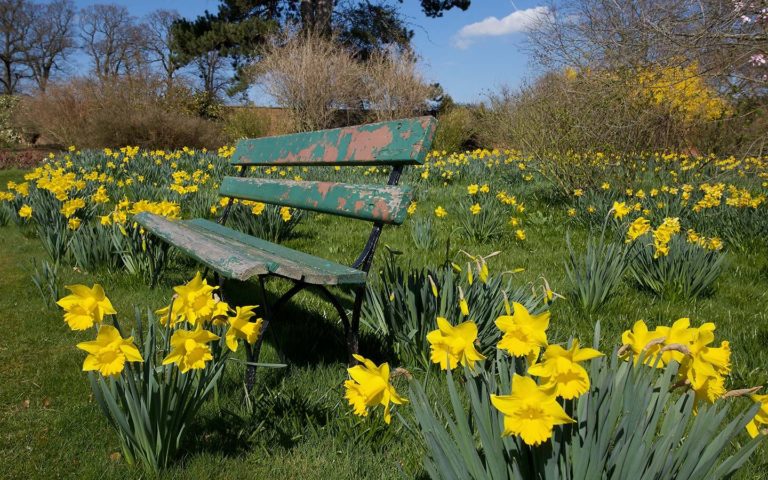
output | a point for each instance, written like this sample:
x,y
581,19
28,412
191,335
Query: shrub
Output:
x,y
455,131
121,111
312,77
394,86
8,135
245,122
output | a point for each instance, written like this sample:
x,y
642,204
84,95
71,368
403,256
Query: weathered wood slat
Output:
x,y
382,203
285,261
401,142
240,264
240,256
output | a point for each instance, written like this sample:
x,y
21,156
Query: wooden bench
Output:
x,y
236,255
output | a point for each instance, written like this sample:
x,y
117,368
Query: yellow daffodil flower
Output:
x,y
109,352
451,345
370,386
241,327
561,371
190,349
85,306
530,411
524,334
761,417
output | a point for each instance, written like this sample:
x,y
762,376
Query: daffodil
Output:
x,y
85,306
530,411
761,417
241,328
560,369
451,345
109,352
190,349
370,386
194,303
440,212
639,227
620,209
640,340
25,211
524,334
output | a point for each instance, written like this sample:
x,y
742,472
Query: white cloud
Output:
x,y
515,22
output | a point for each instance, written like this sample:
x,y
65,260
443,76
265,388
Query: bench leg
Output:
x,y
353,332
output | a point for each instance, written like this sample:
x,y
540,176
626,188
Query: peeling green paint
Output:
x,y
386,204
396,142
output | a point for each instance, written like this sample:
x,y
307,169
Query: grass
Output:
x,y
299,425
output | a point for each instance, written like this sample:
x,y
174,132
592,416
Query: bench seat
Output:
x,y
240,256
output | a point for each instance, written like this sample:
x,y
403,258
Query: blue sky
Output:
x,y
468,52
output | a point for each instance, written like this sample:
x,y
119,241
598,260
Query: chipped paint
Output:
x,y
385,204
384,143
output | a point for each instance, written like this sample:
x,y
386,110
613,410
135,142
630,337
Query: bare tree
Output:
x,y
160,41
15,24
311,76
394,87
50,39
112,40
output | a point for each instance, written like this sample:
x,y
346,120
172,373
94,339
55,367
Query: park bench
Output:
x,y
236,255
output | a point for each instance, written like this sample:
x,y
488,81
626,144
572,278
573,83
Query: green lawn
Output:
x,y
299,425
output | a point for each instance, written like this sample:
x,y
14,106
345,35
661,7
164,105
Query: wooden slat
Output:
x,y
386,204
285,261
240,264
386,143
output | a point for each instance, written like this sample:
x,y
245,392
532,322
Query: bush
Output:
x,y
245,122
455,131
8,135
93,113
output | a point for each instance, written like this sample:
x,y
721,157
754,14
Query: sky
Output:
x,y
469,53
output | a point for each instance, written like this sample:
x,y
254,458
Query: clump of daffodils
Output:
x,y
195,305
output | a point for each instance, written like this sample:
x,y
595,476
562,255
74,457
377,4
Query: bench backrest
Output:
x,y
395,143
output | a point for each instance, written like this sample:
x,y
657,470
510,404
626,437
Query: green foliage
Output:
x,y
46,279
8,135
597,272
91,248
245,122
403,307
152,405
488,224
422,233
6,214
631,424
688,270
268,225
455,131
142,254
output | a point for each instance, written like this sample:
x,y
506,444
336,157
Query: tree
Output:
x,y
112,40
722,36
50,39
16,19
159,41
241,27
